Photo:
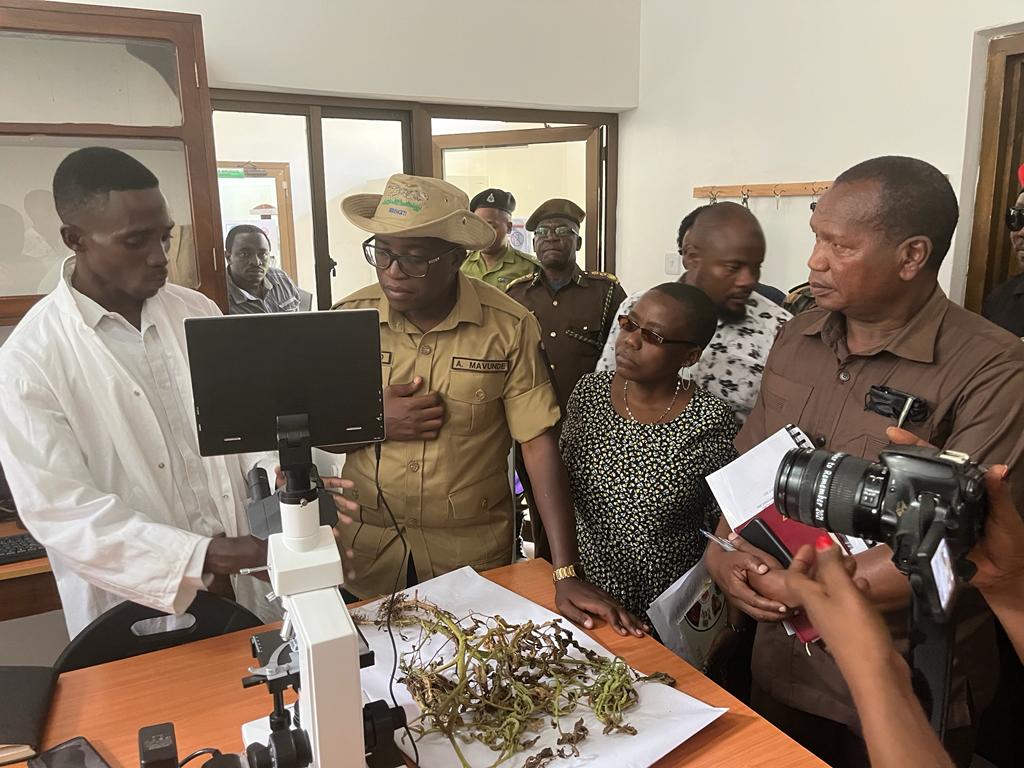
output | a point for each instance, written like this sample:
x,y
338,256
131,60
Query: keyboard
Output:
x,y
19,547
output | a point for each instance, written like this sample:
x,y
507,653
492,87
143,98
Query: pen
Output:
x,y
726,545
905,412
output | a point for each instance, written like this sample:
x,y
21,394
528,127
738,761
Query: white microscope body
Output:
x,y
305,572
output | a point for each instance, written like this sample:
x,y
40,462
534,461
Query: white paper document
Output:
x,y
663,717
746,486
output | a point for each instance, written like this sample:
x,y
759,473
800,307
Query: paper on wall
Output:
x,y
664,717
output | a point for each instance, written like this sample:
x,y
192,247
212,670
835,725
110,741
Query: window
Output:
x,y
336,147
133,80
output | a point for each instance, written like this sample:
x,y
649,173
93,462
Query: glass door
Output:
x,y
534,164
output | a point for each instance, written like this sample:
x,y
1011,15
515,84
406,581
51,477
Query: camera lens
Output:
x,y
834,491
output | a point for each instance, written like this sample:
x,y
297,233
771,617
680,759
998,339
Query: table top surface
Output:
x,y
198,688
25,567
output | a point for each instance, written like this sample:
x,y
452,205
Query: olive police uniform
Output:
x,y
512,263
451,494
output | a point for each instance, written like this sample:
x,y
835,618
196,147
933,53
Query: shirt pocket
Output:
x,y
784,401
473,400
475,501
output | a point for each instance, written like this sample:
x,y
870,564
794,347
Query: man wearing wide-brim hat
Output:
x,y
464,376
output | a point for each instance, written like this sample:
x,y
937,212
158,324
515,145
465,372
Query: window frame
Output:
x,y
195,133
419,153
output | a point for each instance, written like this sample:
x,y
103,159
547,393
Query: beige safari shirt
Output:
x,y
451,495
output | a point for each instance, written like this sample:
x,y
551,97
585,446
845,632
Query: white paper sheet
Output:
x,y
746,485
663,717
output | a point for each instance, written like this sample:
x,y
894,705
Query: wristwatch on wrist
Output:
x,y
565,572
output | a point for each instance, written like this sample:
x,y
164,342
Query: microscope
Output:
x,y
318,651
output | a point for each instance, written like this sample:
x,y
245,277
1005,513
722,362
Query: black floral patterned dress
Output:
x,y
639,489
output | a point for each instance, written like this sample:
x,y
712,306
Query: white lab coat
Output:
x,y
88,467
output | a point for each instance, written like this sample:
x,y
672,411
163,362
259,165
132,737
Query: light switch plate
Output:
x,y
673,263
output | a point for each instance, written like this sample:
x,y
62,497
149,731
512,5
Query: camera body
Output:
x,y
928,505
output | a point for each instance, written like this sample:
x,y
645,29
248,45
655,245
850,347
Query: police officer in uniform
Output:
x,y
575,309
464,376
499,263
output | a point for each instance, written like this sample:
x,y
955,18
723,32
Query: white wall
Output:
x,y
789,90
568,54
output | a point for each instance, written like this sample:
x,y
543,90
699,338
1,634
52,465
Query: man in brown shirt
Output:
x,y
464,377
575,310
881,232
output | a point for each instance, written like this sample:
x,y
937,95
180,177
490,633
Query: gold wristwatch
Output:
x,y
565,572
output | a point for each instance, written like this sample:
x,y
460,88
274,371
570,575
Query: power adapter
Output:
x,y
157,746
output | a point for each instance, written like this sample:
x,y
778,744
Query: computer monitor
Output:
x,y
247,370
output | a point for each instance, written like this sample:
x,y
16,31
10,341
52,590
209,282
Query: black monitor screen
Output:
x,y
249,369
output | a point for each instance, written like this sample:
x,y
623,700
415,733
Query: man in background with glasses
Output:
x,y
464,376
253,285
575,310
1005,305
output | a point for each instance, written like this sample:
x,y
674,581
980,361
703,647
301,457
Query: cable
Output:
x,y
199,753
394,590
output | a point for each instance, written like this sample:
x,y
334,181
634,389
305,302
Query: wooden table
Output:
x,y
28,587
198,688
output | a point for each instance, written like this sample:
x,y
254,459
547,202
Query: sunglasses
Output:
x,y
1015,219
629,326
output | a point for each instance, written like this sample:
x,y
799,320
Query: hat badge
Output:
x,y
490,198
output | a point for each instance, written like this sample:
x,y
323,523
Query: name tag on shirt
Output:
x,y
479,366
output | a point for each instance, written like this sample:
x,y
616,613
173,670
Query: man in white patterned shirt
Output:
x,y
723,249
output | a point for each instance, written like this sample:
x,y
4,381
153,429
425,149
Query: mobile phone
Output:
x,y
761,536
73,753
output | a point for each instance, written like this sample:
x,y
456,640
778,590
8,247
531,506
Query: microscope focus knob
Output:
x,y
290,749
258,756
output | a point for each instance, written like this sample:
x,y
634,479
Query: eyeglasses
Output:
x,y
1015,219
411,266
627,324
559,231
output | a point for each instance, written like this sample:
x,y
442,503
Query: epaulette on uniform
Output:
x,y
519,280
604,276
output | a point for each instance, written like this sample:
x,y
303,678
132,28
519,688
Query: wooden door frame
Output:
x,y
281,173
593,207
1002,151
195,132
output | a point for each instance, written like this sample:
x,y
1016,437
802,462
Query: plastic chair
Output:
x,y
111,636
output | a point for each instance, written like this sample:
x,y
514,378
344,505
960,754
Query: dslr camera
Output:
x,y
928,505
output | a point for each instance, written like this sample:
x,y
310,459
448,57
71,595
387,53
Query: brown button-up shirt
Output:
x,y
971,375
574,321
451,495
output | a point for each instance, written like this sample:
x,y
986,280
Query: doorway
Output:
x,y
260,194
534,163
1002,152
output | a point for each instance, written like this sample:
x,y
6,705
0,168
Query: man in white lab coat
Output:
x,y
97,434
